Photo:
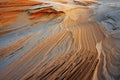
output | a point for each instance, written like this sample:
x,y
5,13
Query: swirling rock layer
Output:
x,y
68,41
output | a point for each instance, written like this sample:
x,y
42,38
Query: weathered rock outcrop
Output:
x,y
59,40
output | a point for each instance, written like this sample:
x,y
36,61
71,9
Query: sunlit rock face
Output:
x,y
59,40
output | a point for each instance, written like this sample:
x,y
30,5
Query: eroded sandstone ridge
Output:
x,y
59,40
